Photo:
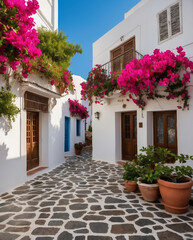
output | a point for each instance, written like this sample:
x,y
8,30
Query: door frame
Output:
x,y
132,113
165,128
28,166
67,133
121,47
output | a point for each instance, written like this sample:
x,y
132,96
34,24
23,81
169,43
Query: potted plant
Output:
x,y
175,184
130,176
149,161
78,148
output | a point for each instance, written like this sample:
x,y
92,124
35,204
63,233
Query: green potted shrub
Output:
x,y
149,161
175,184
78,148
130,176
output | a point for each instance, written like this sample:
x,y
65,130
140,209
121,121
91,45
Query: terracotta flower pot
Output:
x,y
61,90
56,83
175,196
78,151
131,186
149,191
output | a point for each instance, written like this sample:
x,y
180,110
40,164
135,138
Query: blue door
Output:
x,y
67,135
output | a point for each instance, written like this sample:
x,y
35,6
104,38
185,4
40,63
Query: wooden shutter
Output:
x,y
116,64
175,19
163,25
129,50
34,102
122,55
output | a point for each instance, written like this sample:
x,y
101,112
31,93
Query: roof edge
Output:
x,y
135,8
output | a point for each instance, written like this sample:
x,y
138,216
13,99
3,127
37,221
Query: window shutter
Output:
x,y
163,25
129,51
175,19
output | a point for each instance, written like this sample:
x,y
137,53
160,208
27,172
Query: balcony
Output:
x,y
119,62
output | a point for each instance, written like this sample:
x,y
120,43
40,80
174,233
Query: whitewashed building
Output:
x,y
44,131
122,128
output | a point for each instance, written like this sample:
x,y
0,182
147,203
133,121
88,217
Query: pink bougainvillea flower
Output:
x,y
52,82
77,109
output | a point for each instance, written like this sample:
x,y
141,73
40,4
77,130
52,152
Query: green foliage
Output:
x,y
176,173
90,128
149,161
7,106
149,175
99,84
55,46
153,164
79,145
131,171
151,155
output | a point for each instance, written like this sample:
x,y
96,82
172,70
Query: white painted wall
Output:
x,y
47,14
141,22
79,80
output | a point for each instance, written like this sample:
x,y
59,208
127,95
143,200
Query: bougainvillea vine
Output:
x,y
77,109
142,78
160,75
99,84
18,36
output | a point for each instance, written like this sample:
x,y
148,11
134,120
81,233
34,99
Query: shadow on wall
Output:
x,y
4,125
3,152
56,134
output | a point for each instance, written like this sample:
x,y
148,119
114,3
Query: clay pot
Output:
x,y
131,186
61,90
56,83
175,196
77,151
149,191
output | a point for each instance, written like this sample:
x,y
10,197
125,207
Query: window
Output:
x,y
67,135
122,55
165,130
78,127
169,22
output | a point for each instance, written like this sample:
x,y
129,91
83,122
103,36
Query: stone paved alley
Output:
x,y
86,200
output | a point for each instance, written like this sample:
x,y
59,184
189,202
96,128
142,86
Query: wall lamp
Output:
x,y
97,114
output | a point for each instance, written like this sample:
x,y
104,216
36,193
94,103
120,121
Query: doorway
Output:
x,y
32,140
165,130
129,135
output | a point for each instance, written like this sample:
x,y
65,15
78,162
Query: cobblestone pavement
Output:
x,y
86,200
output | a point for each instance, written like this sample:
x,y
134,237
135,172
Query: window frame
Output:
x,y
168,9
78,127
121,46
67,132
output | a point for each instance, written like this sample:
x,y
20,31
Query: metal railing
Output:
x,y
118,63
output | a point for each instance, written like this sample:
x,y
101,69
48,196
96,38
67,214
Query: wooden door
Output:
x,y
129,135
32,140
122,55
165,130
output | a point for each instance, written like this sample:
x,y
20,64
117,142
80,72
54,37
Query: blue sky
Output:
x,y
84,21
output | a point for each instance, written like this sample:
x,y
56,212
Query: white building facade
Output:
x,y
123,129
44,131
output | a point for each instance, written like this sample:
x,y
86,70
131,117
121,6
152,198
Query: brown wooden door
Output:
x,y
32,140
165,130
122,55
129,135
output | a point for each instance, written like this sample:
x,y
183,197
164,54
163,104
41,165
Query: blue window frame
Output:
x,y
67,135
78,127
